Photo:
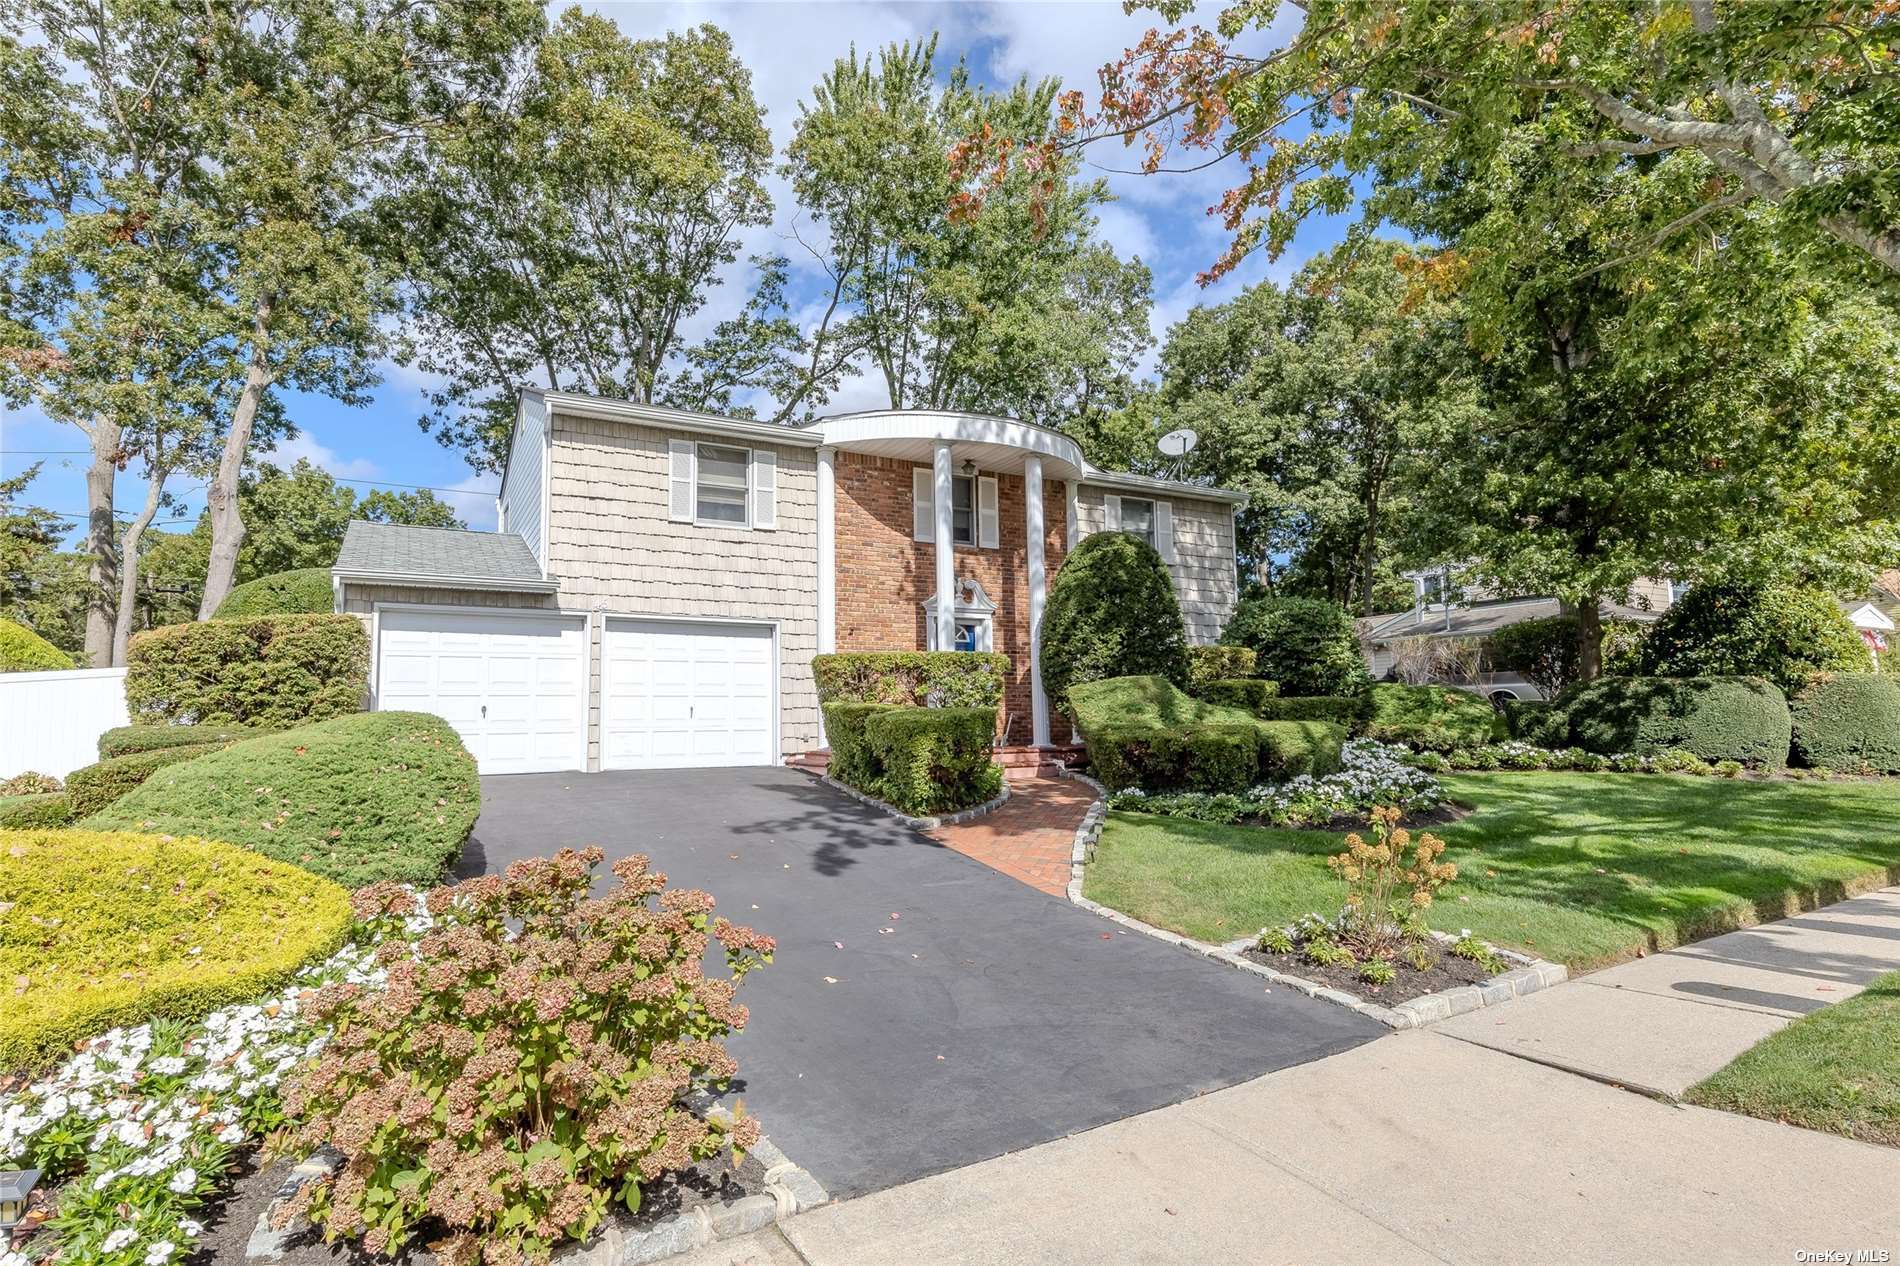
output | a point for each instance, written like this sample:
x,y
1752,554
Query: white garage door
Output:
x,y
674,696
513,685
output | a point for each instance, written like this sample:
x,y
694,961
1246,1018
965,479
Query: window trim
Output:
x,y
1149,537
699,481
957,481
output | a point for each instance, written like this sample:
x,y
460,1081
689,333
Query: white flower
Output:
x,y
184,1180
119,1239
191,1227
231,1134
159,1253
169,1065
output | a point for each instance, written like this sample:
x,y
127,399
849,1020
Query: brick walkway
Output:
x,y
1031,837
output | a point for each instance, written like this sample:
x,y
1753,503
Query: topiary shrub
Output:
x,y
303,592
29,783
1538,722
932,760
24,651
1432,718
1250,693
949,679
1289,749
1714,718
96,786
1547,653
530,1061
851,762
1143,732
1352,712
1307,645
47,809
1848,721
272,671
128,928
1112,613
357,799
1209,664
1743,629
124,740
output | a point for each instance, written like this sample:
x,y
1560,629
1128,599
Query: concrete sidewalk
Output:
x,y
1415,1148
1663,1023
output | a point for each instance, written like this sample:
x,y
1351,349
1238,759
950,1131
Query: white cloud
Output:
x,y
474,499
286,452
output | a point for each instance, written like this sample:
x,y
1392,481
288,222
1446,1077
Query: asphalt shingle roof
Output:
x,y
427,552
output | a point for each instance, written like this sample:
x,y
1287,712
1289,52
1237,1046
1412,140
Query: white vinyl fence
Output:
x,y
51,722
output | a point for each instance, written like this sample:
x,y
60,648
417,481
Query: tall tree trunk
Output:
x,y
227,525
101,543
129,567
1590,638
1371,555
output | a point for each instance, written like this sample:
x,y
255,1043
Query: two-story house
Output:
x,y
660,580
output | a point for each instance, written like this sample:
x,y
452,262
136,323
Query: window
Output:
x,y
720,494
963,509
969,635
1138,518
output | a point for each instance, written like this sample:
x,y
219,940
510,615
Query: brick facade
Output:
x,y
885,577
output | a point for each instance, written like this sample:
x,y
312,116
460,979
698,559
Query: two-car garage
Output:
x,y
516,685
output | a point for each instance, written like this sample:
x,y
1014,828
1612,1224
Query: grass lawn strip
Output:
x,y
1837,1070
1582,869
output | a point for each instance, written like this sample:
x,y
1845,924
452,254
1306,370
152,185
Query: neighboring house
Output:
x,y
661,579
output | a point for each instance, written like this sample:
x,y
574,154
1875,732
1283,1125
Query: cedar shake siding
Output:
x,y
1203,570
613,548
885,576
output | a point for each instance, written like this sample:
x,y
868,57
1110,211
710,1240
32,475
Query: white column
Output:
x,y
941,501
1032,514
827,553
1069,536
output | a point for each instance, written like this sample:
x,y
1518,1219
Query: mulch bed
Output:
x,y
230,1221
1450,972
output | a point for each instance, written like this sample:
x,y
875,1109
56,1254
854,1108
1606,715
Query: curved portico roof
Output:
x,y
995,444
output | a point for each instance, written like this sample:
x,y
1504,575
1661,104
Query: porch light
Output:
x,y
969,467
15,1186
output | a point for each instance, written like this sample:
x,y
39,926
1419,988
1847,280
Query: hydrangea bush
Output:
x,y
1372,775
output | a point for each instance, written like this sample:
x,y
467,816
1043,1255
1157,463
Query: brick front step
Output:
x,y
1018,762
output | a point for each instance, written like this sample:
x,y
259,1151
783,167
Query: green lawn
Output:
x,y
1584,869
1836,1070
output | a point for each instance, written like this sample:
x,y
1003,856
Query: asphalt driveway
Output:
x,y
988,1017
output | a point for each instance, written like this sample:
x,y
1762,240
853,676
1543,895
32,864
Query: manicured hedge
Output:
x,y
272,671
24,651
1432,718
127,739
1208,664
375,795
1848,721
1308,645
851,761
950,679
1717,718
128,928
21,813
1250,693
96,786
1538,722
933,760
1353,712
303,592
1745,629
1112,613
1143,732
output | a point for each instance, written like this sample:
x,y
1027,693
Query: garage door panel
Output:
x,y
681,694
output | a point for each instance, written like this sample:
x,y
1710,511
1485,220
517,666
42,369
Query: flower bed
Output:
x,y
1516,755
1372,775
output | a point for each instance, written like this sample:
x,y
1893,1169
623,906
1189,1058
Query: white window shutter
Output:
x,y
1111,513
764,489
681,460
1164,531
988,521
923,515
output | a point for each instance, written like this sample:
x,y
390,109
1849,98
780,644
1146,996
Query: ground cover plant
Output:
x,y
43,809
522,1066
1833,1070
1371,775
357,799
1584,869
305,591
101,929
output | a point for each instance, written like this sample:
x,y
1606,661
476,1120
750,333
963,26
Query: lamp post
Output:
x,y
15,1186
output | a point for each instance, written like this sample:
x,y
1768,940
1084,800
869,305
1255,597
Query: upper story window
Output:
x,y
720,492
963,509
1138,518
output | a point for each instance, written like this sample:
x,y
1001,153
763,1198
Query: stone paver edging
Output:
x,y
922,824
1529,976
789,1190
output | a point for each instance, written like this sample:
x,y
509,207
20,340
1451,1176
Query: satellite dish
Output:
x,y
1177,443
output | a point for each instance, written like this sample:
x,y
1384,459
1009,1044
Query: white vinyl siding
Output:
x,y
523,508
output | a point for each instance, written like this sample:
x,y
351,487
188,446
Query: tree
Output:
x,y
1112,613
1785,633
32,568
298,516
1009,305
566,233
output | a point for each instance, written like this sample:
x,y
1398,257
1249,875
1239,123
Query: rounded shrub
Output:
x,y
124,740
1307,645
1715,718
127,928
47,808
270,671
24,651
96,786
1848,721
303,592
1112,613
376,795
1432,718
1744,629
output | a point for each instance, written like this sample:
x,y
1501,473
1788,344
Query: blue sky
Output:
x,y
787,44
